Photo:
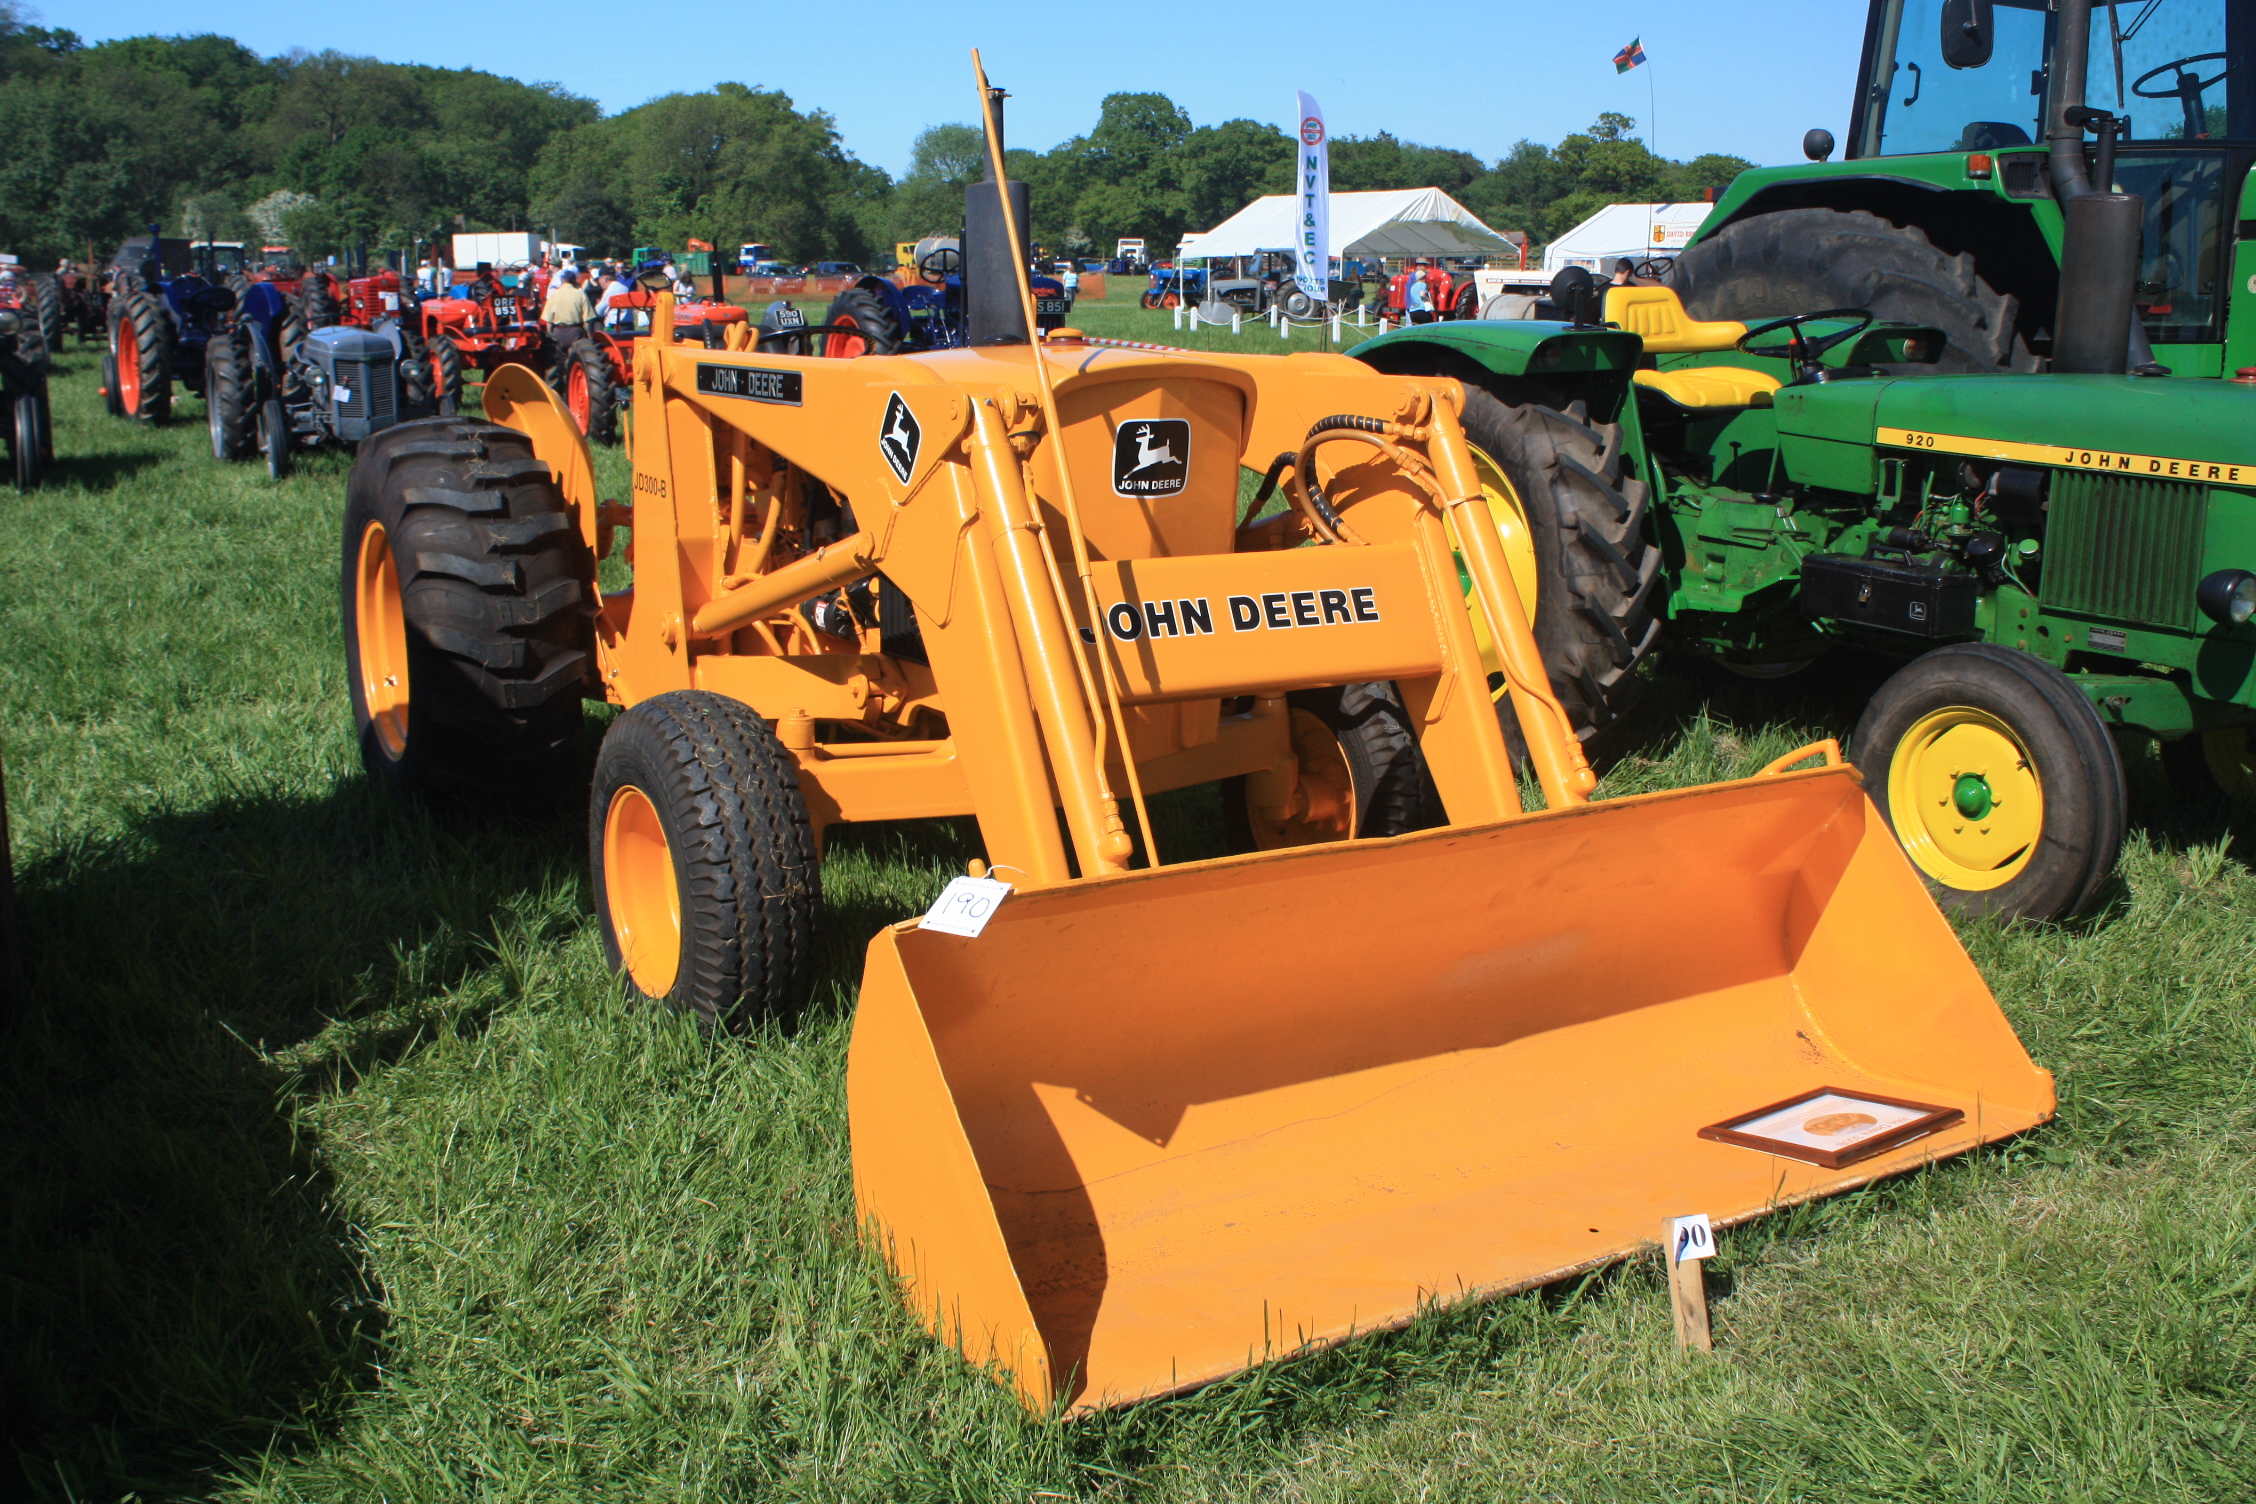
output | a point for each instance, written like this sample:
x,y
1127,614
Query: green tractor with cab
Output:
x,y
1981,397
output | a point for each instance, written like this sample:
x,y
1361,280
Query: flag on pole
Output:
x,y
1312,263
1629,57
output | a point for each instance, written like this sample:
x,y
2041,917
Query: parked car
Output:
x,y
837,269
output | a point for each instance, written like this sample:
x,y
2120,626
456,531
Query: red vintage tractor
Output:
x,y
593,374
492,327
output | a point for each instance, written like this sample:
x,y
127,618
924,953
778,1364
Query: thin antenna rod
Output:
x,y
1115,721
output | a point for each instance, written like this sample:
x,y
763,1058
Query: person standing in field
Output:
x,y
567,311
1417,300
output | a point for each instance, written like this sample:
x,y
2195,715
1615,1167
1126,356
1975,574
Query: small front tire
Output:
x,y
1998,777
708,885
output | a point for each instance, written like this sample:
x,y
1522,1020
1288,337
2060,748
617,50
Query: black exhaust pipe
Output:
x,y
993,314
2099,262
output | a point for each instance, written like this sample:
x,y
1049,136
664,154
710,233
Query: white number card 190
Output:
x,y
965,906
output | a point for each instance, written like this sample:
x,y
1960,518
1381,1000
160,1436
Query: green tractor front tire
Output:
x,y
2000,780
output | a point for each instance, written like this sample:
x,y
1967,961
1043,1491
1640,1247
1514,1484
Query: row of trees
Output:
x,y
332,151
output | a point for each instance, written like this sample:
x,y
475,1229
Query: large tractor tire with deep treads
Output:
x,y
46,300
1571,512
860,309
583,378
708,884
1803,260
1998,777
1361,774
140,336
469,635
229,384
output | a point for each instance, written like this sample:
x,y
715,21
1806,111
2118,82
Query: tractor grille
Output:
x,y
2125,549
370,383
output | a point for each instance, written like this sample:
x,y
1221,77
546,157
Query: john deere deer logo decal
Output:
x,y
899,438
1151,457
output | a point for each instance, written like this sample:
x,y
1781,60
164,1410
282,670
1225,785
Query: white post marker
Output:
x,y
1176,313
1237,320
1335,325
1382,323
965,906
1688,1241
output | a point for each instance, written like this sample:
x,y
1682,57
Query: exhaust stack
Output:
x,y
991,306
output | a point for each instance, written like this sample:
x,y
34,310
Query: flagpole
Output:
x,y
1652,112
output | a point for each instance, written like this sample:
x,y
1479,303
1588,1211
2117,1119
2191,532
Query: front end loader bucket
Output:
x,y
1146,1131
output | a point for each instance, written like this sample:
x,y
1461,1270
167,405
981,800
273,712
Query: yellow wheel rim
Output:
x,y
2231,761
639,892
380,629
1965,798
1505,506
1323,807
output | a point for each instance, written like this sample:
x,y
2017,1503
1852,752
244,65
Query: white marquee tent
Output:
x,y
1397,222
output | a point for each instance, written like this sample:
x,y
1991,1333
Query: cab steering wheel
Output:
x,y
1801,349
936,267
2186,88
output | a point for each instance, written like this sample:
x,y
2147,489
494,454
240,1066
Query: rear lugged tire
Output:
x,y
446,374
1361,732
320,303
1583,509
881,333
141,322
467,593
1999,779
707,880
228,382
1802,260
584,381
47,299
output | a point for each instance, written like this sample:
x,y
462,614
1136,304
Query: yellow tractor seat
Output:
x,y
1657,315
1710,386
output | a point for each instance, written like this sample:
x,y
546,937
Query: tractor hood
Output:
x,y
2168,427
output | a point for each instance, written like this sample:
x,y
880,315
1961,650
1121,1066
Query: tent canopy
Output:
x,y
1396,222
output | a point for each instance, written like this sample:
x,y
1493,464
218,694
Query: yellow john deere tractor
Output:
x,y
1159,1118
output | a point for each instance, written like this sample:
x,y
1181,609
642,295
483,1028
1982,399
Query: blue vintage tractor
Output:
x,y
341,384
877,316
163,311
1173,285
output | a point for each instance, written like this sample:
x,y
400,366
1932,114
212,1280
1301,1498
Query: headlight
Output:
x,y
10,321
2227,597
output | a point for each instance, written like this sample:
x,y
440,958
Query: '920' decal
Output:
x,y
1277,611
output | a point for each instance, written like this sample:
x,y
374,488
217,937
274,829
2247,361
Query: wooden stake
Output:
x,y
1688,1295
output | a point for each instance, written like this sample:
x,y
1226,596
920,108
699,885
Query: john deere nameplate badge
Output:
x,y
750,383
1151,457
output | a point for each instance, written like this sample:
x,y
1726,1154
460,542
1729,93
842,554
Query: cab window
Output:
x,y
1976,98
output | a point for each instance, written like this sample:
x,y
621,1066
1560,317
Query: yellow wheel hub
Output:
x,y
2232,762
1323,806
639,892
1510,512
380,627
1966,800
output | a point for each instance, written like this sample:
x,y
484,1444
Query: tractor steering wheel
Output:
x,y
2186,89
1800,349
936,267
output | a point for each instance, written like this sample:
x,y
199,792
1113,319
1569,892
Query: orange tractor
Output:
x,y
491,327
594,374
1125,1118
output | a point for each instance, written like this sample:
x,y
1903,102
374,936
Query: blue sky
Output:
x,y
1740,76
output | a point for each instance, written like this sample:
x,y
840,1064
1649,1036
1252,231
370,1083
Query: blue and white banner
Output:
x,y
1313,248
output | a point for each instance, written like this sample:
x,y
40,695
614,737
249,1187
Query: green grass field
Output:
x,y
336,1169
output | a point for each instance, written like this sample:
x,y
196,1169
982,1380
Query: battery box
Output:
x,y
1894,597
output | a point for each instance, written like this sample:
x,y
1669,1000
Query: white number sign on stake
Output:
x,y
1691,1238
965,906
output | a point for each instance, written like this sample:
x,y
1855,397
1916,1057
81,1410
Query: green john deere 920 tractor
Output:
x,y
1982,397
